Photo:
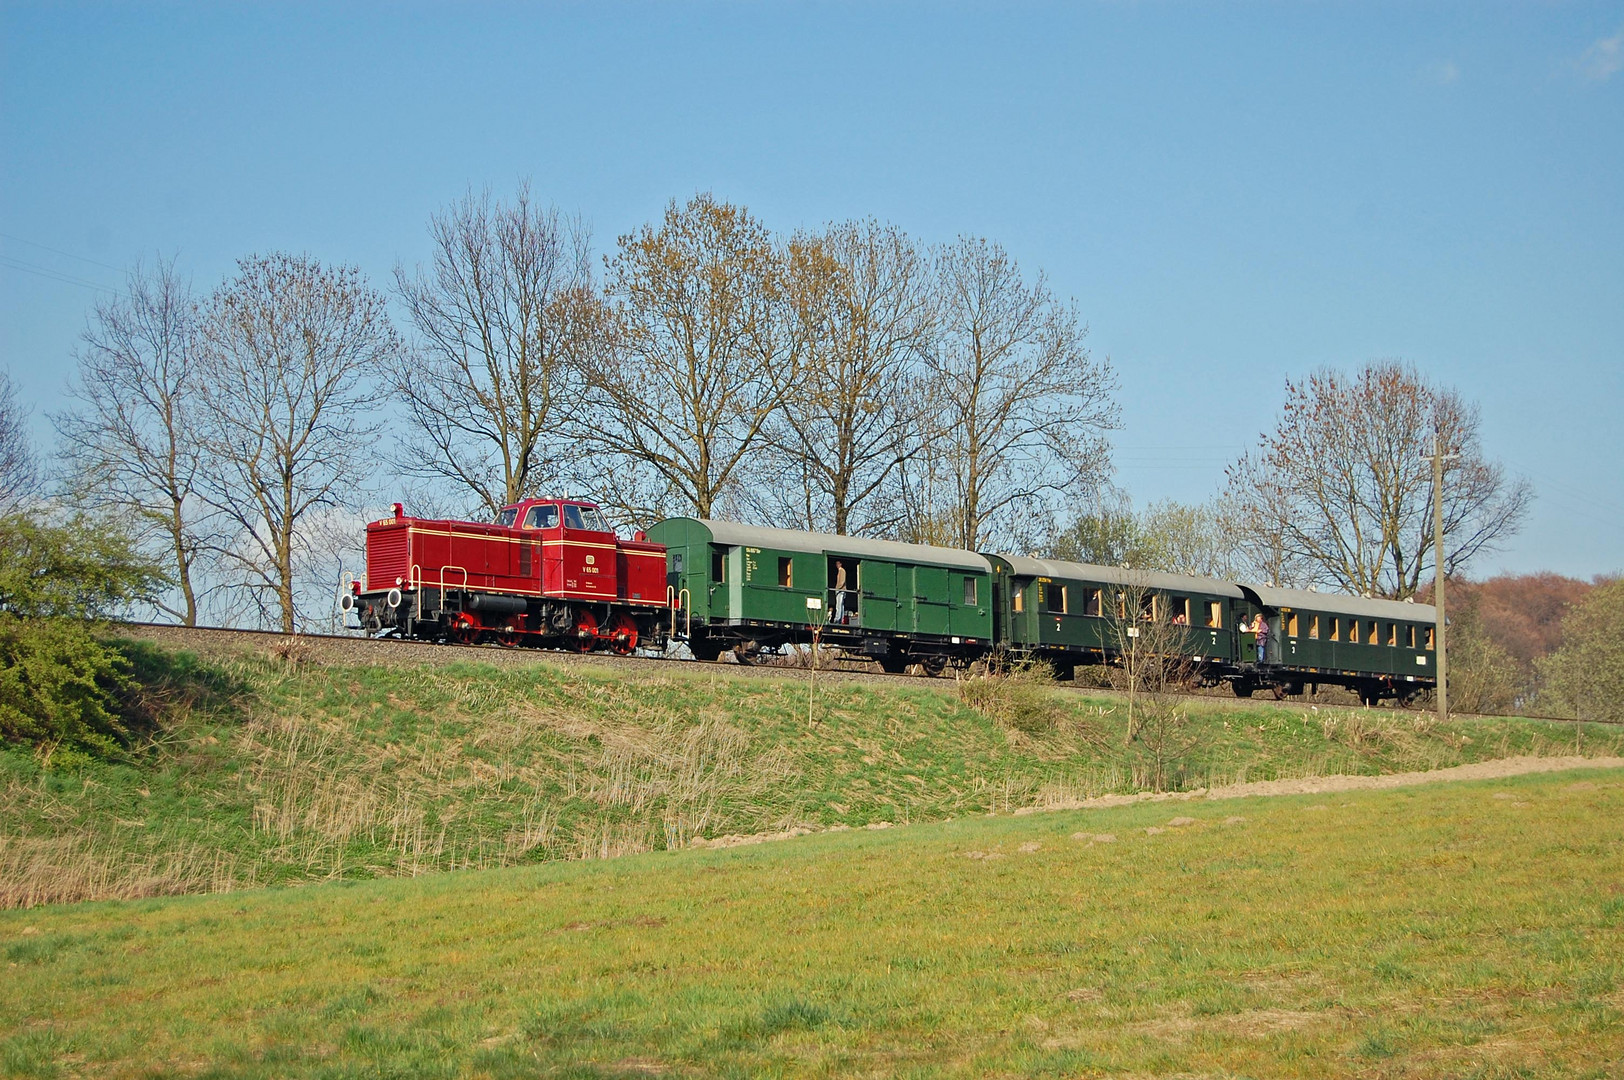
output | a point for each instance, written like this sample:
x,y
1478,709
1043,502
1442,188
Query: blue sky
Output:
x,y
1234,194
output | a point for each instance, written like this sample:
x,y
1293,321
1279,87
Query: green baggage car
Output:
x,y
757,590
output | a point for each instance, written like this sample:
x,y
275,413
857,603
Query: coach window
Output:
x,y
1336,629
1020,599
969,592
1215,614
1392,634
1429,637
1180,609
1409,637
1091,602
1375,634
1291,625
786,573
542,517
1055,600
718,565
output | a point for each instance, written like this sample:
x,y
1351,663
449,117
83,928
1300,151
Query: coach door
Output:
x,y
877,583
930,600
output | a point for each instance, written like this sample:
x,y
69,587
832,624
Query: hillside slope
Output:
x,y
264,770
1471,929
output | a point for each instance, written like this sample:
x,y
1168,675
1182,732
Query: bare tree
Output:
x,y
131,443
1153,653
503,317
1343,487
18,473
1021,405
856,414
1179,538
288,348
706,347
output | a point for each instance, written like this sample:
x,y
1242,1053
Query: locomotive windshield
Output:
x,y
584,517
505,518
542,517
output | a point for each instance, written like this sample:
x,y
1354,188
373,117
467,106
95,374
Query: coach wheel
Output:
x,y
933,665
747,652
894,665
623,635
1279,692
705,648
1242,687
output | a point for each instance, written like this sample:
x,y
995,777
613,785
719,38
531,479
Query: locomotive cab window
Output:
x,y
507,516
542,517
585,518
969,592
786,573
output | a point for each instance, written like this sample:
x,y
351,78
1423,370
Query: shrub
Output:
x,y
1021,698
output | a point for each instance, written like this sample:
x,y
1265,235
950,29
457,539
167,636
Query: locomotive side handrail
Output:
x,y
414,579
443,569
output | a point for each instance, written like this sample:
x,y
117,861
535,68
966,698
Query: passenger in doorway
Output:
x,y
1260,627
840,593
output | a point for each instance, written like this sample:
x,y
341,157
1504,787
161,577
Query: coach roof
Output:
x,y
728,532
1341,603
1022,566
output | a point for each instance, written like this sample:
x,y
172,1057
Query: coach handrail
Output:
x,y
682,601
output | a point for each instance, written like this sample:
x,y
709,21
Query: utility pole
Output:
x,y
1438,459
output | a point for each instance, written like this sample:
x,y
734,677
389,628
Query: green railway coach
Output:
x,y
1070,613
1379,648
755,590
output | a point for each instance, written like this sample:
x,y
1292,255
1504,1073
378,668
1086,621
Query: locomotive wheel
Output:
x,y
586,631
464,630
623,635
506,636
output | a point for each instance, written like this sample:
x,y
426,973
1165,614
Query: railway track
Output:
x,y
351,646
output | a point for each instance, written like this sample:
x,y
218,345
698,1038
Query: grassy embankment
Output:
x,y
1446,930
268,772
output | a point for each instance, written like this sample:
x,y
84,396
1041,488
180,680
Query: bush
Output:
x,y
1021,698
60,686
1585,677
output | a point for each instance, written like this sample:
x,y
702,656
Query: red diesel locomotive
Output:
x,y
549,572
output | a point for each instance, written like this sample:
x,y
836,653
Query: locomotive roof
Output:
x,y
1023,566
1369,607
729,532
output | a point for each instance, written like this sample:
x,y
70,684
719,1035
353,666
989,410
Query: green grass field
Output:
x,y
262,772
1462,930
